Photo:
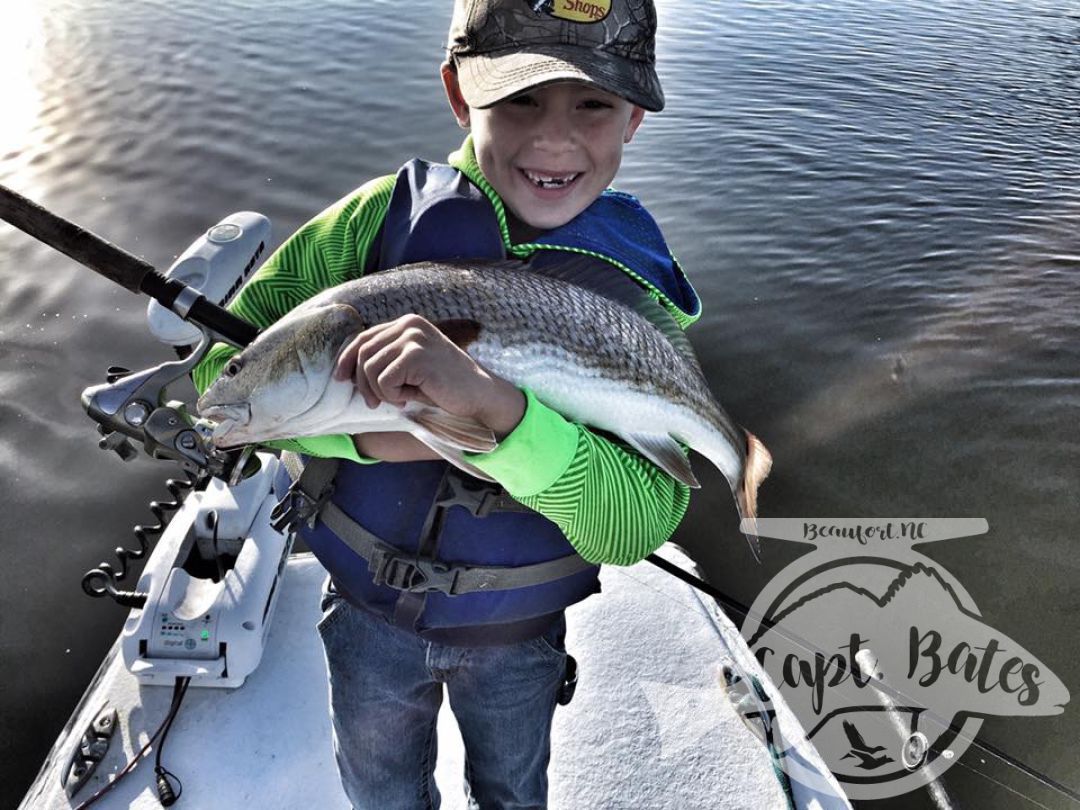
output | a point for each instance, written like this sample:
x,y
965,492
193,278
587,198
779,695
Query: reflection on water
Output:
x,y
877,203
20,55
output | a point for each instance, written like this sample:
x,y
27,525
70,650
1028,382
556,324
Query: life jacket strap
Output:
x,y
307,501
300,506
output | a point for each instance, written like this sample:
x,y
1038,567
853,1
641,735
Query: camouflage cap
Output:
x,y
502,47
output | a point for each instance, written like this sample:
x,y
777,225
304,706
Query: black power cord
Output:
x,y
165,790
166,795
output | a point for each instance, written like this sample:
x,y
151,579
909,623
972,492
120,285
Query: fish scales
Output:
x,y
524,308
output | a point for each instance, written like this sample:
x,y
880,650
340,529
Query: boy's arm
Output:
x,y
328,250
613,505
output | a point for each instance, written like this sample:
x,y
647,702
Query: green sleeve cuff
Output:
x,y
338,445
535,454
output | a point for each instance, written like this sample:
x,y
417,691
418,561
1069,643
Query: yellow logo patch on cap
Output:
x,y
586,11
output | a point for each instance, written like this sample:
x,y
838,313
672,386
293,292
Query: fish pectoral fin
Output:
x,y
665,453
459,432
451,436
451,454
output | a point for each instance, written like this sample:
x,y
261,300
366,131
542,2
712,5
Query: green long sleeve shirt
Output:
x,y
613,505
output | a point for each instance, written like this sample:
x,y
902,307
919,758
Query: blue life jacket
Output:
x,y
437,213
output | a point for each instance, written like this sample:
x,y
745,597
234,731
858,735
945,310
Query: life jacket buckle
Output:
x,y
480,499
299,507
415,575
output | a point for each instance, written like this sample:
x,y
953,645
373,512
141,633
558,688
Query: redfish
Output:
x,y
586,339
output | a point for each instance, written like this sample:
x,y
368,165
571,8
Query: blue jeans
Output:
x,y
386,686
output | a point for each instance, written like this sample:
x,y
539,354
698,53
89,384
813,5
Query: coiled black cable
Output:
x,y
102,581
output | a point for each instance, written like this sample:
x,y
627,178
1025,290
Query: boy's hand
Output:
x,y
410,359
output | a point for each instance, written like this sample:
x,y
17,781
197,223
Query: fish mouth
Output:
x,y
228,419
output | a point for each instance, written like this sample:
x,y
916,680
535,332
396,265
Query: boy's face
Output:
x,y
550,151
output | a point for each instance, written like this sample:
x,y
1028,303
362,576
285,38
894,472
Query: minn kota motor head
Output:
x,y
217,264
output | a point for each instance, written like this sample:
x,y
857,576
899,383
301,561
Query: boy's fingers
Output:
x,y
355,361
347,359
373,367
417,395
402,378
360,383
365,344
346,362
390,362
347,367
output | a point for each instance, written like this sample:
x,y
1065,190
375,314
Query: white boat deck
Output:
x,y
649,726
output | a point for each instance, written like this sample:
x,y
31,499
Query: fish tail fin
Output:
x,y
755,469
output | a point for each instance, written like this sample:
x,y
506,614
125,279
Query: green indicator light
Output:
x,y
205,635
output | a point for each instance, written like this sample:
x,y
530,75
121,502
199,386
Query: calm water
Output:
x,y
877,202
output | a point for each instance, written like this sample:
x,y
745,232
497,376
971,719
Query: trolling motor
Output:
x,y
205,598
133,406
207,594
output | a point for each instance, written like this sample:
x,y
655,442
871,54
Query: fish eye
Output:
x,y
233,367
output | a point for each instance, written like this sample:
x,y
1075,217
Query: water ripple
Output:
x,y
877,202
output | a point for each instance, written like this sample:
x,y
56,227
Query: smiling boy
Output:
x,y
550,90
548,151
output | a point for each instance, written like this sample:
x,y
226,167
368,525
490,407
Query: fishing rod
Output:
x,y
171,437
133,406
121,267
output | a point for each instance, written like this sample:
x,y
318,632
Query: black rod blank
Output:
x,y
116,264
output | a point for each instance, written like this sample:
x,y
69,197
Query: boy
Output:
x,y
551,91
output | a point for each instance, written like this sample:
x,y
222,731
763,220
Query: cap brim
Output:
x,y
487,79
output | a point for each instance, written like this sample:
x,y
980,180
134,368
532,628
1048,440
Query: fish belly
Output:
x,y
589,396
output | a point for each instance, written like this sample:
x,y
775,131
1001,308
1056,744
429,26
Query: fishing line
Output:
x,y
1001,784
1046,781
726,601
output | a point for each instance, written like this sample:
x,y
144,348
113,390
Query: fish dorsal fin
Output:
x,y
605,279
665,453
